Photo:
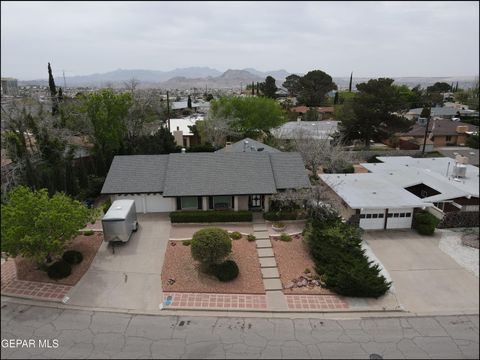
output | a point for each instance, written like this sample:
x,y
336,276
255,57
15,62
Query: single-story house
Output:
x,y
378,203
452,185
204,181
442,132
181,131
247,145
295,130
324,112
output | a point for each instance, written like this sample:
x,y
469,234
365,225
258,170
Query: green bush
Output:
x,y
278,225
226,271
59,270
285,237
72,257
186,242
282,215
235,235
106,205
88,232
339,259
251,237
211,245
425,223
210,216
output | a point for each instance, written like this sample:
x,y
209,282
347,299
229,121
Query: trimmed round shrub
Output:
x,y
211,245
285,237
88,233
226,271
72,257
235,235
425,223
251,237
59,270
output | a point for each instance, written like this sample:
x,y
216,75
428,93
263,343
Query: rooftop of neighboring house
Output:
x,y
248,145
442,127
312,129
436,173
471,154
184,123
178,105
441,111
303,109
370,191
202,174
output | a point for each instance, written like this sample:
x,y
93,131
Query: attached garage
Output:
x,y
372,219
148,203
399,218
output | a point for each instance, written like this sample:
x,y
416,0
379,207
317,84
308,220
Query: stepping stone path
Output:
x,y
271,277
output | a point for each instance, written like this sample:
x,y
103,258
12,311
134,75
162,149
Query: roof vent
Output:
x,y
118,207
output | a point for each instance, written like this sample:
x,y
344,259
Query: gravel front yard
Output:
x,y
292,260
465,256
179,265
87,245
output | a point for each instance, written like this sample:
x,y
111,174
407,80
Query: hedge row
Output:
x,y
282,215
210,216
341,262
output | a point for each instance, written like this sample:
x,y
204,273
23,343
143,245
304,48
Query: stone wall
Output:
x,y
460,219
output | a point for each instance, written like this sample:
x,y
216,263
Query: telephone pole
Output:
x,y
168,112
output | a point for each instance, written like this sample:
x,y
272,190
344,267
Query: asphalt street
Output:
x,y
42,332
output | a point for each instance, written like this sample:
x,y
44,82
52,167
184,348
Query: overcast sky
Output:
x,y
369,38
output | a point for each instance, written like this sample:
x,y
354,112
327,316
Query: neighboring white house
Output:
x,y
295,130
181,131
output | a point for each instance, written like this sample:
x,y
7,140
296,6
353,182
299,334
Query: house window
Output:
x,y
375,216
408,214
380,216
395,215
390,215
402,215
189,202
448,138
362,216
369,216
222,202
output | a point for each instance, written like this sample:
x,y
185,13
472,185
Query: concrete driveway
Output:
x,y
130,278
426,279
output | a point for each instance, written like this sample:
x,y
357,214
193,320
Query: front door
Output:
x,y
255,202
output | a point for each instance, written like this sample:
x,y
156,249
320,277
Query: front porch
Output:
x,y
252,202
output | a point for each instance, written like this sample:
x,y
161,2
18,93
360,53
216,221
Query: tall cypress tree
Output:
x,y
350,85
335,99
189,102
53,91
456,87
257,89
253,88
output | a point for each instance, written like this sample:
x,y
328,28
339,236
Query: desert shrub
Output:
x,y
226,271
235,235
59,270
186,242
251,237
211,245
210,216
88,232
425,223
336,250
72,257
285,237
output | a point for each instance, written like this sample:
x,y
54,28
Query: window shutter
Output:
x,y
210,202
179,203
199,198
233,202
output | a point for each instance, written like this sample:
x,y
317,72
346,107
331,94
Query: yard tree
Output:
x,y
37,226
53,91
439,87
314,86
107,113
189,102
350,83
246,116
211,245
374,108
335,99
292,84
269,88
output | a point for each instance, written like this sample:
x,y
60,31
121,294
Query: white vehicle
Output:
x,y
120,221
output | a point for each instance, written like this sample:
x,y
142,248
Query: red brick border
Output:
x,y
216,301
316,302
11,286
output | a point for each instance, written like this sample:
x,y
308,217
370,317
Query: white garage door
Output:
x,y
372,219
139,201
157,203
399,218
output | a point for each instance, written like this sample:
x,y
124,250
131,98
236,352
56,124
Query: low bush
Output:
x,y
186,242
285,237
336,250
106,205
72,257
283,215
226,271
59,270
88,232
235,235
278,225
210,216
211,245
425,223
251,237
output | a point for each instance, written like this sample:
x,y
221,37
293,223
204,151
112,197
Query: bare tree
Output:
x,y
216,129
131,85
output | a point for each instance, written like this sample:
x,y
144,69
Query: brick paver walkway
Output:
x,y
315,302
11,286
215,301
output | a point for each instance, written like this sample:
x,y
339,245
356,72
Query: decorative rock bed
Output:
x,y
470,240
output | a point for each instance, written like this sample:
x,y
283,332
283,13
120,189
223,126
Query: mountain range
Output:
x,y
201,77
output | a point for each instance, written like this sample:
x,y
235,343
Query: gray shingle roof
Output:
x,y
219,174
252,146
202,174
130,174
289,170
